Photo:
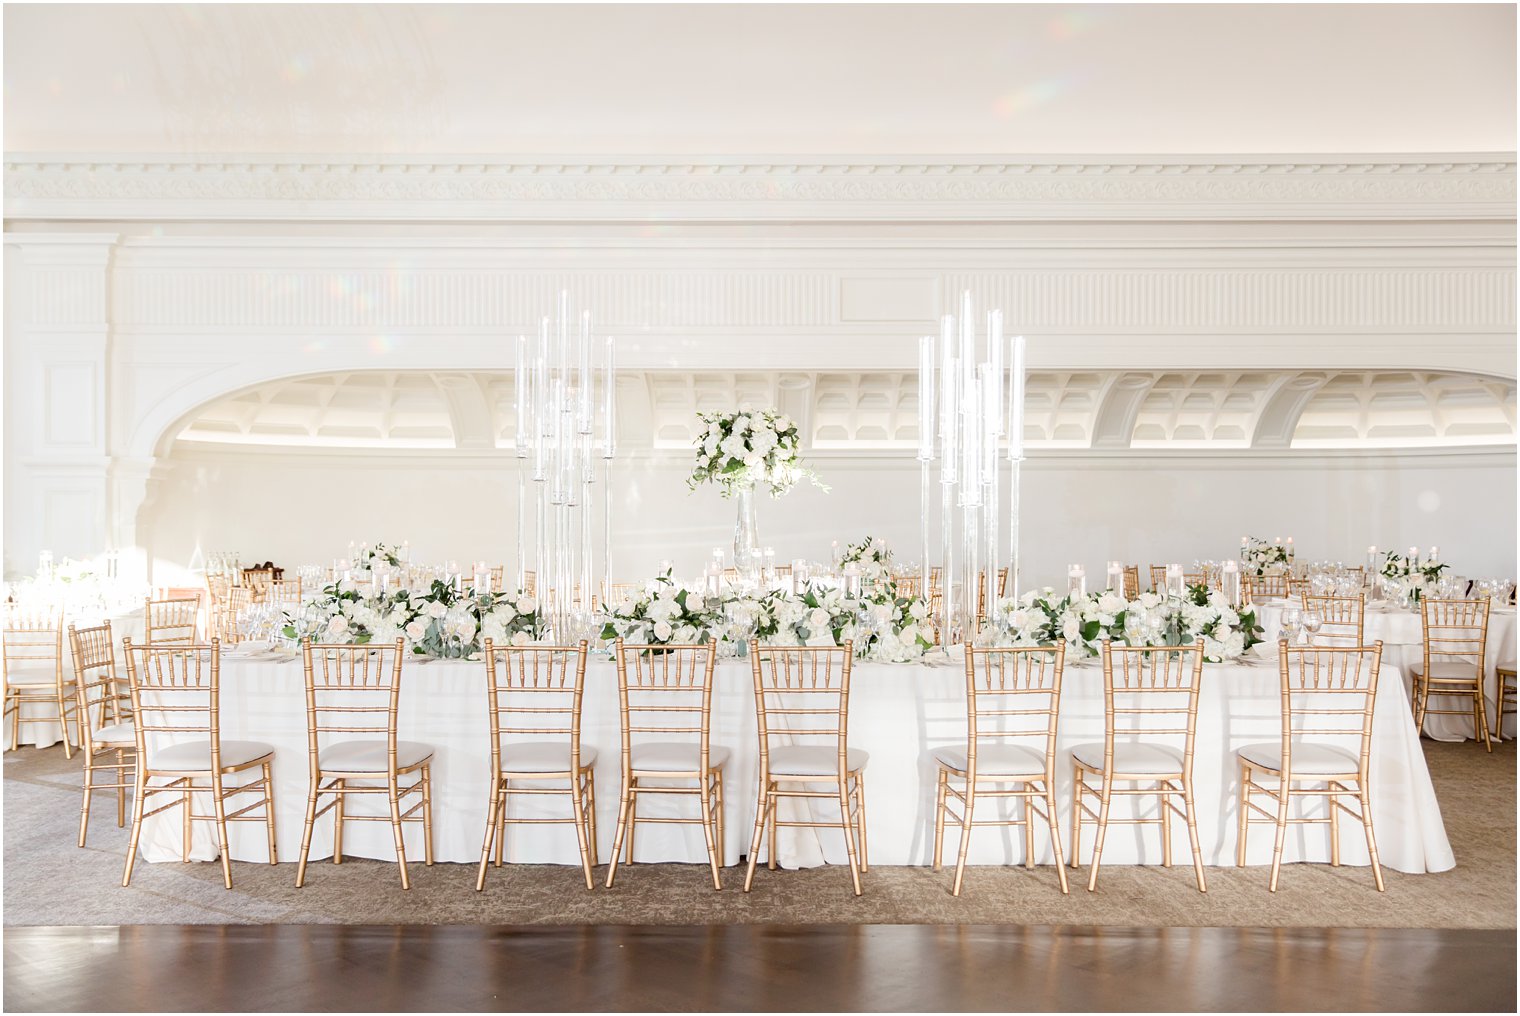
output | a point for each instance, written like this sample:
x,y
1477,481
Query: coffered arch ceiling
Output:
x,y
1067,411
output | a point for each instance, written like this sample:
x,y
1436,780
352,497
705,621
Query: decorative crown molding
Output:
x,y
962,189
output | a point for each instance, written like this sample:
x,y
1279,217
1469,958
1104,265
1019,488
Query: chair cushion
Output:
x,y
814,760
995,760
1448,670
369,756
29,673
195,756
675,756
1131,757
1323,759
542,757
122,733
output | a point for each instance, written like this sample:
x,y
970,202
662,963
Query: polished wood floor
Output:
x,y
749,968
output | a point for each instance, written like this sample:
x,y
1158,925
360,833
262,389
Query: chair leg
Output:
x,y
770,853
427,815
860,802
1366,802
1078,788
1103,799
1480,716
89,784
960,854
1192,827
341,787
709,820
491,815
847,825
1282,829
1165,800
1243,819
501,821
762,810
941,787
718,805
186,824
306,828
1053,822
121,788
63,727
578,803
591,816
139,796
1027,803
391,797
219,806
622,828
1335,826
633,817
269,810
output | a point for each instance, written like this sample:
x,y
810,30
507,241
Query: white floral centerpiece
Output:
x,y
1038,618
740,450
882,626
438,622
664,614
1412,578
874,559
1259,556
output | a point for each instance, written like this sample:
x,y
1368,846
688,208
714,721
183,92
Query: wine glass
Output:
x,y
1312,621
1292,623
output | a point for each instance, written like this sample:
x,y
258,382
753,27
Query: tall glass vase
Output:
x,y
747,553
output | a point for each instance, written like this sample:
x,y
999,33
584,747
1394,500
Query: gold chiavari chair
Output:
x,y
1144,688
237,604
804,695
218,588
1456,635
1507,694
1256,588
347,687
258,581
1327,697
783,571
498,578
1158,578
1298,589
170,622
533,692
1195,578
105,727
530,583
1012,696
1131,581
909,585
284,594
662,691
176,709
1342,619
31,663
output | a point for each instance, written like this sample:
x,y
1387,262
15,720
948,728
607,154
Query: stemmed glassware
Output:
x,y
1292,624
1312,622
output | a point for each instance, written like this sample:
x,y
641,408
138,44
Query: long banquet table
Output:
x,y
1403,636
898,713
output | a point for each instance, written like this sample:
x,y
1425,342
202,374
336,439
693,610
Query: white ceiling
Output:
x,y
777,79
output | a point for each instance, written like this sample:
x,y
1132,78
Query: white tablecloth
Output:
x,y
45,733
1403,638
899,714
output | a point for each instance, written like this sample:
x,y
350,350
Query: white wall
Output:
x,y
295,508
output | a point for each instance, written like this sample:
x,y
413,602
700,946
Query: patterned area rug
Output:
x,y
50,881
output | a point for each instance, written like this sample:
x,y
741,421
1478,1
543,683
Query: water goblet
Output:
x,y
1312,622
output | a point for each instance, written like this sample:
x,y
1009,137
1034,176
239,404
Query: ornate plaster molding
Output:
x,y
962,189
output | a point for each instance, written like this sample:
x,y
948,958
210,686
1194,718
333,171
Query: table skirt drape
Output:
x,y
898,713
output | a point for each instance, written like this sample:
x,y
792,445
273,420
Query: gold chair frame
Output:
x,y
1453,629
1144,673
363,673
1131,581
1315,674
996,681
529,675
1254,588
102,717
1507,693
662,675
37,638
171,622
1158,578
239,600
160,677
1343,619
806,676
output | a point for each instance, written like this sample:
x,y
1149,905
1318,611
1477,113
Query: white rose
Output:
x,y
417,630
526,604
337,627
818,620
521,639
662,631
435,608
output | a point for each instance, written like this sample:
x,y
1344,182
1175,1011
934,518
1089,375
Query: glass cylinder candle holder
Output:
x,y
1076,581
1116,576
1174,581
852,579
1230,582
